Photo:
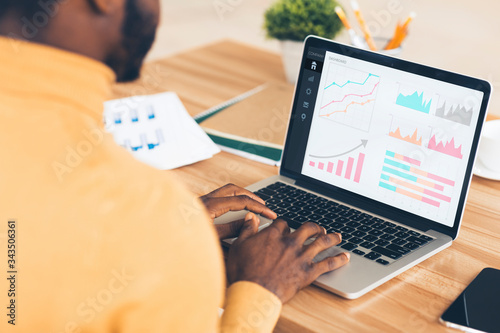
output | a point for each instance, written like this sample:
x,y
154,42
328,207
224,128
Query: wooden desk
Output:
x,y
411,302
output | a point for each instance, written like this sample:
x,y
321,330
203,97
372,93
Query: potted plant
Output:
x,y
291,21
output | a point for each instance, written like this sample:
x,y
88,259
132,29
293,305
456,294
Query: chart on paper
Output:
x,y
348,96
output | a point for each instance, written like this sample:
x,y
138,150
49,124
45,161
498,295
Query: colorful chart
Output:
x,y
414,138
349,96
446,147
414,99
409,131
352,170
400,175
457,113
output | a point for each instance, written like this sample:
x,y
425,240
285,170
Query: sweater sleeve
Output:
x,y
250,308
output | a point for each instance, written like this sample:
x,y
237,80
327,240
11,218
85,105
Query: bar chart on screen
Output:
x,y
350,168
406,177
348,96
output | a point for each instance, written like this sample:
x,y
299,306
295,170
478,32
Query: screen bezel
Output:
x,y
360,201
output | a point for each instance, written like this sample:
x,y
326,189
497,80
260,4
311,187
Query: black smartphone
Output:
x,y
477,309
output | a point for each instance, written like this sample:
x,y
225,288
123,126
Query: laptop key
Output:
x,y
266,191
273,201
426,238
402,234
342,219
290,216
315,217
414,233
331,216
398,249
357,218
353,224
283,204
321,211
411,246
337,225
280,211
382,261
390,230
387,237
364,228
376,232
378,226
400,228
373,255
349,246
388,253
358,233
347,229
263,196
416,240
399,241
300,204
367,245
356,240
382,242
293,209
274,186
367,222
345,213
370,238
358,252
301,219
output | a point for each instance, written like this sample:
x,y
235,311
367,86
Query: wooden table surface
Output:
x,y
411,302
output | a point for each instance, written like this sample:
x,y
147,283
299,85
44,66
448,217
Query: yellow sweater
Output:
x,y
103,243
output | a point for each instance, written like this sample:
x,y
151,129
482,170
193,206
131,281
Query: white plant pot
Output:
x,y
292,55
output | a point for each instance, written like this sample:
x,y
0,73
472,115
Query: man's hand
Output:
x,y
278,260
234,198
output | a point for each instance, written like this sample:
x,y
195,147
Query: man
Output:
x,y
101,242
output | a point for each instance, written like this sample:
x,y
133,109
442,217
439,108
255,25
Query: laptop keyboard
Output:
x,y
362,234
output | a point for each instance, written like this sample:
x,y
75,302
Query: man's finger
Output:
x,y
306,231
250,228
331,263
231,190
220,206
229,230
322,243
280,225
232,229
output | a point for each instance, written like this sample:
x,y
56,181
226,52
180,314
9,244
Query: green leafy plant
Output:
x,y
296,19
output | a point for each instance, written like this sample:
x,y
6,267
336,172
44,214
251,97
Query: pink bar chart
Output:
x,y
350,168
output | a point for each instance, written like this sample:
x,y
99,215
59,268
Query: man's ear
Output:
x,y
104,6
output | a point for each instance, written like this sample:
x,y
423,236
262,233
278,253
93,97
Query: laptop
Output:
x,y
381,150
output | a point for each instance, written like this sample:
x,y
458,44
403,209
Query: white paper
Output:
x,y
157,130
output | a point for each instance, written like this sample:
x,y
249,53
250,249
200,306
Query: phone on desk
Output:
x,y
477,309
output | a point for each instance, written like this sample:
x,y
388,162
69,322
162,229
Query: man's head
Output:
x,y
118,33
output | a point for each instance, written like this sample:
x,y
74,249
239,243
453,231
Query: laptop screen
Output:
x,y
390,131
